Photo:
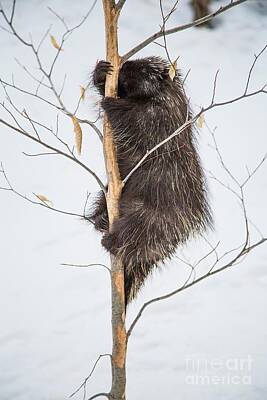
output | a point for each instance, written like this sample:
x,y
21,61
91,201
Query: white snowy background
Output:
x,y
55,320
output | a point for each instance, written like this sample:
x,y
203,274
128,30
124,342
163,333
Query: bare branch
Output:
x,y
252,67
184,287
12,85
10,24
81,98
31,122
58,151
13,11
39,154
83,385
250,174
223,164
180,28
86,266
39,203
33,77
86,202
212,251
67,34
12,116
186,76
23,113
163,28
100,395
48,75
57,107
59,17
172,10
5,30
214,87
43,38
63,85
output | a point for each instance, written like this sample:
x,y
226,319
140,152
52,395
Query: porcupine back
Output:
x,y
164,202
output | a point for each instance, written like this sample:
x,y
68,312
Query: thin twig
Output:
x,y
163,28
39,154
250,174
256,57
57,107
184,287
60,152
99,395
83,385
86,266
180,28
13,11
214,87
48,75
41,203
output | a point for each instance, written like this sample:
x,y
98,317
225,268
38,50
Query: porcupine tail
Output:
x,y
141,240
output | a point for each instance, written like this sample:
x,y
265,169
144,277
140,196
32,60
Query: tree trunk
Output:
x,y
113,196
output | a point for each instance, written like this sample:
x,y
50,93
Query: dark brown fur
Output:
x,y
164,203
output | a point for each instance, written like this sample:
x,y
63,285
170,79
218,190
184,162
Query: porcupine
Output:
x,y
164,203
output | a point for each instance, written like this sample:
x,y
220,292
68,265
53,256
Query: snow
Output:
x,y
55,320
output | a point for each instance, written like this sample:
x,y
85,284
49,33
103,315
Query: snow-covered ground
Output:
x,y
55,320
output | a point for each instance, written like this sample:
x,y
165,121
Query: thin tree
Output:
x,y
33,131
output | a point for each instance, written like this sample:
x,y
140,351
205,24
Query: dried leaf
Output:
x,y
44,199
201,121
82,92
55,43
172,70
78,134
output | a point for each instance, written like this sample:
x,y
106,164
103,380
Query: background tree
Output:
x,y
201,8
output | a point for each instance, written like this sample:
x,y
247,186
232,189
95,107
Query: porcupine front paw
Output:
x,y
101,70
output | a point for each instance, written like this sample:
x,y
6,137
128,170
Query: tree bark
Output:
x,y
115,185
